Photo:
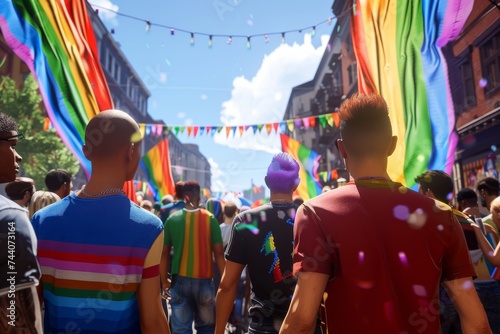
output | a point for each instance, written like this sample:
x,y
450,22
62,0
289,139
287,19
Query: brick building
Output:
x,y
475,80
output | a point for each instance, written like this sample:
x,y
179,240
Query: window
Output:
x,y
490,60
469,86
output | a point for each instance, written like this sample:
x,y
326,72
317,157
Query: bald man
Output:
x,y
99,252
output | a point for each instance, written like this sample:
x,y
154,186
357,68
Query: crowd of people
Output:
x,y
371,256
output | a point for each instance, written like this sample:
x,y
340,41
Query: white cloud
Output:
x,y
181,115
106,15
219,178
263,98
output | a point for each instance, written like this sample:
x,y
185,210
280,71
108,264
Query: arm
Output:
x,y
464,296
153,319
226,294
493,256
218,251
303,312
164,267
491,231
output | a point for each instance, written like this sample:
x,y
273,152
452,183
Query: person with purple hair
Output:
x,y
262,240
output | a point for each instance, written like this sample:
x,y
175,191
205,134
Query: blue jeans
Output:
x,y
192,299
489,294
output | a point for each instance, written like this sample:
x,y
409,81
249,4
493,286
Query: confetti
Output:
x,y
483,82
403,258
419,290
401,212
417,219
361,257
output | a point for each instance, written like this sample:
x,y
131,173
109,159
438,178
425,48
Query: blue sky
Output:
x,y
226,84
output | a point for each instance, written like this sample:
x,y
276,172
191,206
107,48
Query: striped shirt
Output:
x,y
92,254
192,233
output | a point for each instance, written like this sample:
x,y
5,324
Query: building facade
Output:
x,y
474,69
334,81
475,57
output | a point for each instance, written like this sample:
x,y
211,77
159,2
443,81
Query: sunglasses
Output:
x,y
18,136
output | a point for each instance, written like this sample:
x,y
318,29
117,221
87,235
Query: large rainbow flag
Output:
x,y
156,163
398,48
308,160
56,41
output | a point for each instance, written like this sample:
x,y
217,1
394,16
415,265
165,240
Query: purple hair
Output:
x,y
283,174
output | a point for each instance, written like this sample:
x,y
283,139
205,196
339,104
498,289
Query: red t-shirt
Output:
x,y
386,249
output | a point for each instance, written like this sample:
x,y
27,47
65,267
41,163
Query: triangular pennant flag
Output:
x,y
260,126
176,130
329,119
290,124
213,131
195,131
233,129
142,129
182,128
312,122
219,129
169,128
336,118
228,129
322,120
207,129
241,129
148,129
189,130
269,127
255,128
283,127
275,127
306,122
202,130
246,127
298,123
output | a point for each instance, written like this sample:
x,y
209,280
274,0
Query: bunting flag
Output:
x,y
56,41
156,164
308,160
398,50
324,120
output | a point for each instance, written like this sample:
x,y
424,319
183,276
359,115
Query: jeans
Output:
x,y
192,299
489,294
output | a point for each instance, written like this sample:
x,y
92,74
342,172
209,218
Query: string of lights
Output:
x,y
211,36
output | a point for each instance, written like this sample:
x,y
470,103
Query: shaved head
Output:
x,y
108,133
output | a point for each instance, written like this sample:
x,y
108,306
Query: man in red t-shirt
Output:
x,y
374,251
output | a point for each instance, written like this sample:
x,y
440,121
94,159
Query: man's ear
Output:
x,y
392,145
130,152
341,147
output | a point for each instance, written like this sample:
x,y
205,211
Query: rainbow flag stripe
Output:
x,y
56,41
309,186
398,46
156,163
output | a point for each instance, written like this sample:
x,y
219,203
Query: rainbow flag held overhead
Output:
x,y
156,164
398,46
308,160
56,41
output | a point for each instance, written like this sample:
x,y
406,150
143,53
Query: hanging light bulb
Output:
x,y
266,38
313,32
249,45
329,21
229,40
192,39
148,26
210,41
172,32
283,40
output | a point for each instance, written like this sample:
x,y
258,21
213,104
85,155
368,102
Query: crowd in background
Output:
x,y
370,256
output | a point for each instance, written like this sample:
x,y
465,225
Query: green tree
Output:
x,y
41,150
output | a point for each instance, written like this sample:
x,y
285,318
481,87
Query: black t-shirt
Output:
x,y
262,239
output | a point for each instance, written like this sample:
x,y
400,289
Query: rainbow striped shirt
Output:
x,y
92,254
192,234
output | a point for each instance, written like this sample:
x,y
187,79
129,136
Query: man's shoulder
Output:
x,y
10,207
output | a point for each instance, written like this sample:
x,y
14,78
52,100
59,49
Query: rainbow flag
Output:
x,y
398,49
156,164
309,186
56,41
